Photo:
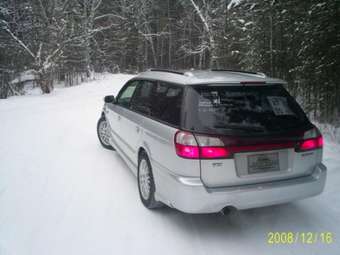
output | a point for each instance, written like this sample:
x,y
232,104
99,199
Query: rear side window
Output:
x,y
168,102
243,109
159,100
142,100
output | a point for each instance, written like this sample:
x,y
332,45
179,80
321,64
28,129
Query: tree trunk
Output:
x,y
45,82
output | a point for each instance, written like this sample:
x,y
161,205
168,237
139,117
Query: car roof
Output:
x,y
196,77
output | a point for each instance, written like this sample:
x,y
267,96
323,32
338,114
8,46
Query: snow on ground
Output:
x,y
62,193
28,75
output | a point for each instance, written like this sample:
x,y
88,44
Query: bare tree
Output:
x,y
208,43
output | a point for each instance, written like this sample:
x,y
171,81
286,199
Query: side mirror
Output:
x,y
109,99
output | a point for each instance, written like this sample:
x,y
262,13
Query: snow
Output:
x,y
331,132
233,3
62,193
320,4
28,75
233,52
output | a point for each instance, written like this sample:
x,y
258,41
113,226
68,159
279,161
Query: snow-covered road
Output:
x,y
62,193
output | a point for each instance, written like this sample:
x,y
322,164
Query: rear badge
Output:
x,y
217,164
307,154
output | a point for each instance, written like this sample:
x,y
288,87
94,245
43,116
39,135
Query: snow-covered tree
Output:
x,y
69,39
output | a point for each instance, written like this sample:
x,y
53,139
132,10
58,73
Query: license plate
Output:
x,y
262,163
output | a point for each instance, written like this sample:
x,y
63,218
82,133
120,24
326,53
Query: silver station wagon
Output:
x,y
208,141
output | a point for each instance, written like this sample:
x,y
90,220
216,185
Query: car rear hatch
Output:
x,y
250,134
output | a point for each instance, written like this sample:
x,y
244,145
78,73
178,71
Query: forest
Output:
x,y
68,40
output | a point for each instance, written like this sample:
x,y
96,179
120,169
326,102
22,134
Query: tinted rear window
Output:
x,y
242,109
160,100
168,102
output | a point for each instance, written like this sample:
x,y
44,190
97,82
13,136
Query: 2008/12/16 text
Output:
x,y
300,237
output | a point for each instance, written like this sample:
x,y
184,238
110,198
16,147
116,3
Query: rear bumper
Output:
x,y
188,194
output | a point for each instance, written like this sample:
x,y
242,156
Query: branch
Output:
x,y
99,29
206,26
21,43
47,63
64,5
153,34
199,49
38,57
97,5
43,10
109,15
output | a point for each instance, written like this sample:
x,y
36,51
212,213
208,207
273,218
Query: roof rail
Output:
x,y
237,71
166,70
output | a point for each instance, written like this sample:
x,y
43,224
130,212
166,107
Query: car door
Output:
x,y
132,118
117,115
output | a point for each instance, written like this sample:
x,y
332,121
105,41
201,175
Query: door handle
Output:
x,y
119,117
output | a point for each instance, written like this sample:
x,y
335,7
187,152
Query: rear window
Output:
x,y
242,109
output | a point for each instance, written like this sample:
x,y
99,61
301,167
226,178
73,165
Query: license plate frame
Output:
x,y
263,163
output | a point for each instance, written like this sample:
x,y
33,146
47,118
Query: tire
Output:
x,y
103,136
143,176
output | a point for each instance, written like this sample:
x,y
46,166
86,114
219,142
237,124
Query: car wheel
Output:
x,y
103,133
146,184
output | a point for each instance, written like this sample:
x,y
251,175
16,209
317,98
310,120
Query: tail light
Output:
x,y
199,147
312,139
186,145
213,152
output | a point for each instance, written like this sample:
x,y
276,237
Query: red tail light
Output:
x,y
312,139
186,145
214,152
320,141
187,151
199,147
311,144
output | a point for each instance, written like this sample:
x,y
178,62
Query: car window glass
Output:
x,y
143,99
243,109
159,100
167,103
126,94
